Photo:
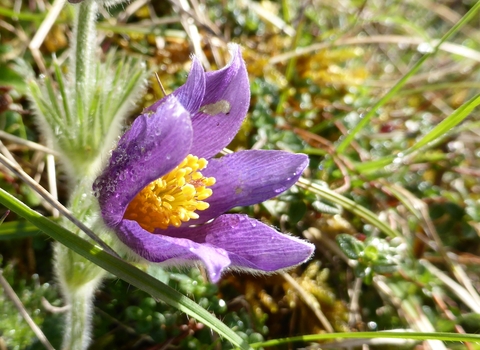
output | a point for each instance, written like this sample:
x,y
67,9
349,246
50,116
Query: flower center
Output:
x,y
173,198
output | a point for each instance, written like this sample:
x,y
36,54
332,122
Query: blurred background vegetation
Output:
x,y
316,67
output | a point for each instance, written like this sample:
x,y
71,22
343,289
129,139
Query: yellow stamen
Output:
x,y
173,198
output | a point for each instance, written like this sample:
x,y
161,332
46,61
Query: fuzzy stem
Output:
x,y
82,60
83,43
78,323
78,277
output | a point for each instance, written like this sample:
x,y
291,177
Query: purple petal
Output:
x,y
249,243
191,93
254,245
224,107
249,177
172,250
154,145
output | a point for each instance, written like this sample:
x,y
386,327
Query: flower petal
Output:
x,y
172,250
249,243
224,107
254,245
218,102
155,144
249,177
190,94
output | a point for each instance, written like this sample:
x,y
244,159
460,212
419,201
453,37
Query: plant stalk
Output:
x,y
78,323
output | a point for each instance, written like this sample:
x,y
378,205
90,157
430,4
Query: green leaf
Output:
x,y
384,268
17,229
371,253
297,211
10,77
447,124
322,207
351,246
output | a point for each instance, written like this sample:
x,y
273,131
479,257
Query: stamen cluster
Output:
x,y
174,198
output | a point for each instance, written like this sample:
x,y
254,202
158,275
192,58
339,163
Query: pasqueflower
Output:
x,y
164,195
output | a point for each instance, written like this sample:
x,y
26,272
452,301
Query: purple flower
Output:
x,y
164,195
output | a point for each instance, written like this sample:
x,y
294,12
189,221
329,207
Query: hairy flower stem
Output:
x,y
82,66
83,44
78,318
78,277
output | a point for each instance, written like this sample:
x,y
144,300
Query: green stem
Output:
x,y
372,335
82,61
77,276
78,279
85,37
78,323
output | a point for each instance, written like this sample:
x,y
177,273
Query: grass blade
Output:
x,y
17,229
371,335
447,124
